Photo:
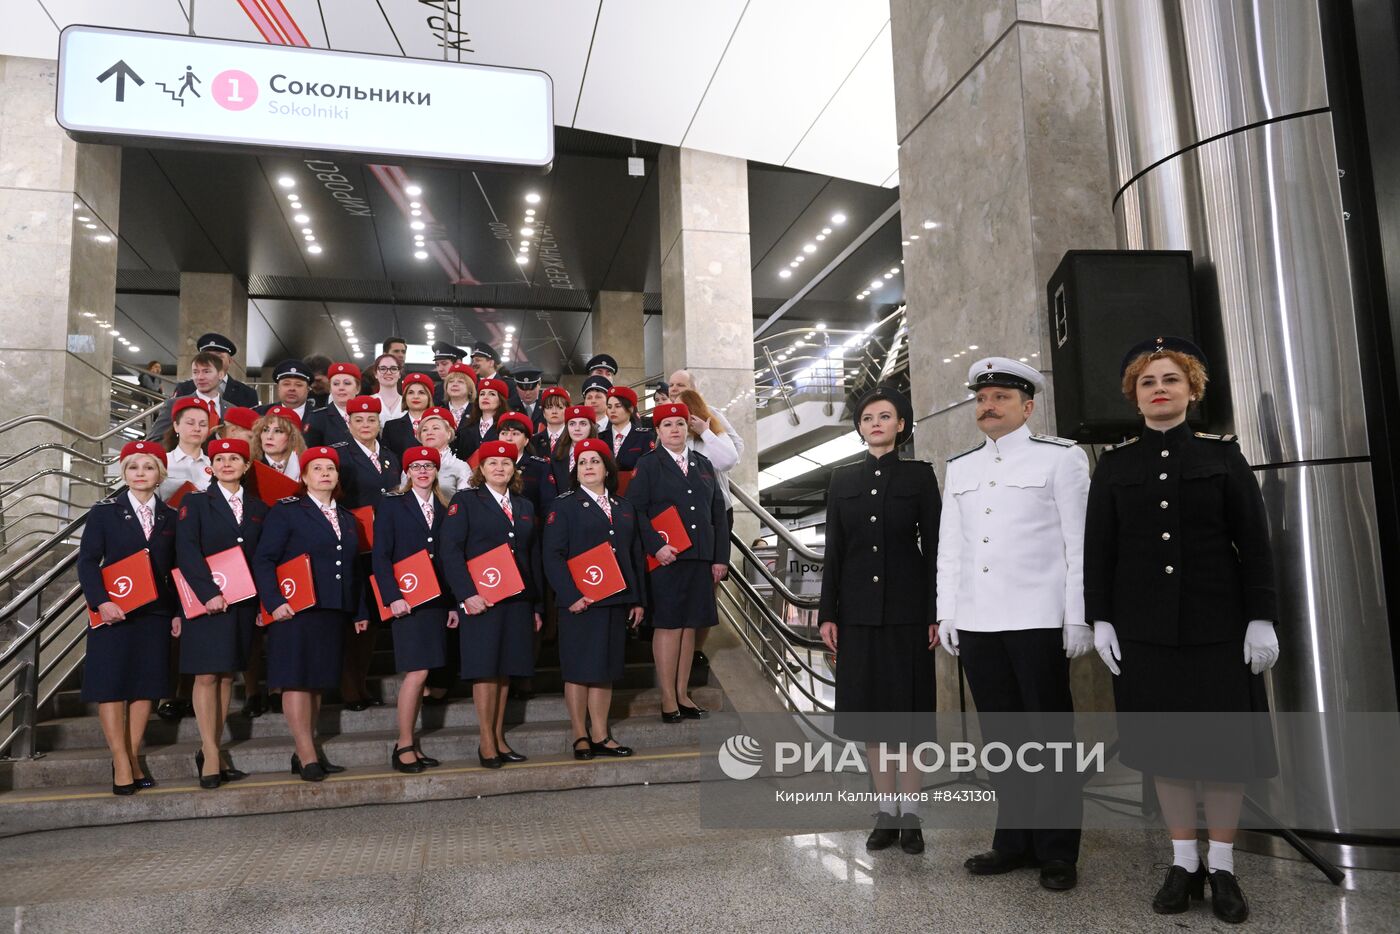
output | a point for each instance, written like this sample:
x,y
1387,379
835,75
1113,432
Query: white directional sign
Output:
x,y
116,85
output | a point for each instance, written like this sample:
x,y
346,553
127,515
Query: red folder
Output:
x,y
495,574
624,479
229,568
130,583
273,484
416,579
364,527
174,500
596,574
474,459
672,531
298,589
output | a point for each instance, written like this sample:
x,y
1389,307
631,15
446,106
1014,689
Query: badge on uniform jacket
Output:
x,y
184,511
452,510
550,520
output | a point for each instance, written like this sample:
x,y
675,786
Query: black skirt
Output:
x,y
128,661
682,596
218,643
592,644
420,639
880,671
1232,742
303,653
499,643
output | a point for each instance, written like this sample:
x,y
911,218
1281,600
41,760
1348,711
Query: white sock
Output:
x,y
1186,855
889,807
1221,856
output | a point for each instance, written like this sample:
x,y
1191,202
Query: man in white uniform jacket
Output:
x,y
1011,605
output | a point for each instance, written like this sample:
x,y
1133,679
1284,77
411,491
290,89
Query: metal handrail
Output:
x,y
54,472
57,537
768,519
803,601
79,434
54,446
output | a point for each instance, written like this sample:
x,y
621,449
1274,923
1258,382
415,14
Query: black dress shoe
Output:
x,y
494,762
205,781
357,705
312,772
996,862
130,787
671,716
699,660
429,761
603,749
431,701
145,781
254,707
171,711
1226,899
510,755
231,774
1058,875
884,835
911,835
1178,889
373,702
274,703
583,754
412,768
326,765
692,713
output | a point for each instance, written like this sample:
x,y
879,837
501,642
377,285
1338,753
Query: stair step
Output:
x,y
86,732
271,754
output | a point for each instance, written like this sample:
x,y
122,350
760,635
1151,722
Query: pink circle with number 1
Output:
x,y
235,90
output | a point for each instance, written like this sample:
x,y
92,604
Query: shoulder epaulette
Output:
x,y
563,494
1052,439
1210,437
394,493
109,501
536,457
1121,444
967,452
290,499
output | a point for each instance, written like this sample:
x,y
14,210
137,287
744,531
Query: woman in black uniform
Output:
x,y
216,645
593,634
537,479
554,405
484,424
578,425
304,648
878,603
127,668
496,638
624,437
330,424
683,588
1178,566
408,521
401,433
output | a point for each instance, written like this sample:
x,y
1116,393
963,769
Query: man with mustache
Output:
x,y
1011,605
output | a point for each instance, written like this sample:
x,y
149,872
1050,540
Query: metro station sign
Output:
x,y
118,86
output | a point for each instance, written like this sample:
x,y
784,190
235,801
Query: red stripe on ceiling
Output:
x,y
261,22
288,25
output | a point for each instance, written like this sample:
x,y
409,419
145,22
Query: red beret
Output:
x,y
281,411
240,416
496,385
518,420
143,447
421,379
555,392
669,410
317,454
441,412
464,369
498,449
624,393
421,454
192,402
230,446
580,411
345,369
361,404
597,445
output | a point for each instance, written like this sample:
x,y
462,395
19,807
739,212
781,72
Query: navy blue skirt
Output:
x,y
218,643
420,639
592,644
129,660
683,596
303,653
499,643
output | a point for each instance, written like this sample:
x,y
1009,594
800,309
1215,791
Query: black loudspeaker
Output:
x,y
1102,302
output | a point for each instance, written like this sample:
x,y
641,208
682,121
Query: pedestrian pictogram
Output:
x,y
186,83
123,71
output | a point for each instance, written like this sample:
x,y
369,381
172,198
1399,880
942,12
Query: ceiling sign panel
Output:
x,y
117,85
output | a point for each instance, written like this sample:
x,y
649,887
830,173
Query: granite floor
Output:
x,y
614,859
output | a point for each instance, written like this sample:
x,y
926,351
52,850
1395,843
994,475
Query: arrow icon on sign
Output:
x,y
123,71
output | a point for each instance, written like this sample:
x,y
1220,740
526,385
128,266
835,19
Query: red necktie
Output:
x,y
505,507
330,513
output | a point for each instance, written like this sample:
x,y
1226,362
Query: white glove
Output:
x,y
948,636
1260,646
1106,643
1077,639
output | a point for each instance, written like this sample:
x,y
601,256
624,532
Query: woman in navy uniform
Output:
x,y
578,425
127,668
496,638
483,426
409,520
593,634
1178,575
554,406
401,433
278,442
437,429
624,437
330,424
537,479
683,588
459,391
878,608
212,647
304,649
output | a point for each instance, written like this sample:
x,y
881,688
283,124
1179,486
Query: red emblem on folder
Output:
x,y
669,526
596,573
130,583
417,582
495,575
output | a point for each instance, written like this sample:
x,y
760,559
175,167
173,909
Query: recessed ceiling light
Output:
x,y
420,254
821,325
293,197
90,226
894,270
876,283
527,231
913,236
302,219
800,259
286,181
838,218
1025,359
417,225
313,249
861,296
103,238
793,264
133,348
310,238
296,205
929,225
307,230
821,237
415,213
415,204
889,275
345,322
532,198
358,355
84,217
784,273
412,190
809,248
521,258
529,212
116,333
904,243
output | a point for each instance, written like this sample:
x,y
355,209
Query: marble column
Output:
x,y
1003,165
217,302
707,291
616,329
59,204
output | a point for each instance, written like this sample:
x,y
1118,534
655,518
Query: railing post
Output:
x,y
27,713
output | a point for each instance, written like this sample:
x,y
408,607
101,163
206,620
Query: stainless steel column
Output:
x,y
1222,144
